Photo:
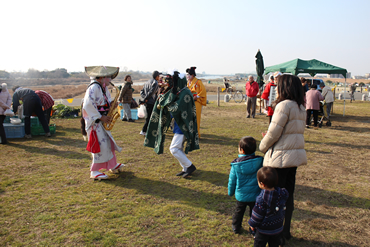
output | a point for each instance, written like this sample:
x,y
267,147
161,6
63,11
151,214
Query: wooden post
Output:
x,y
218,96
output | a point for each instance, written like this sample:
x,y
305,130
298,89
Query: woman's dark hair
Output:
x,y
268,176
127,76
303,80
191,71
289,87
313,86
272,78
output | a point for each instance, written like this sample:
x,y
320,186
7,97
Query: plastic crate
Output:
x,y
35,121
14,130
133,114
39,130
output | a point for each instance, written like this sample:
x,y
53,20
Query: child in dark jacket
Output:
x,y
268,214
243,180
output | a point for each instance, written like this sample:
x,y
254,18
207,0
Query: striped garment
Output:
x,y
46,99
269,211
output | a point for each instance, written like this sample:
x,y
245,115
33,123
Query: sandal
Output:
x,y
98,176
118,168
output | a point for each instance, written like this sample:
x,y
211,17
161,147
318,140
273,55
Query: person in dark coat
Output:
x,y
125,97
31,104
149,94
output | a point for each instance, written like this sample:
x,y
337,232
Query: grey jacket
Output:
x,y
149,91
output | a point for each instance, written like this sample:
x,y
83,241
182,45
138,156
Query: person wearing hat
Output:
x,y
199,92
96,105
251,90
31,104
149,94
329,99
266,95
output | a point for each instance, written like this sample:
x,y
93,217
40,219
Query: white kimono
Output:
x,y
94,97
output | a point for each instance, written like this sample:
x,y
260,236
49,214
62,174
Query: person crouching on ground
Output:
x,y
243,180
268,214
95,107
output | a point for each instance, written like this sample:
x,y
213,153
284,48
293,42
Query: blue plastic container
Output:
x,y
133,114
14,130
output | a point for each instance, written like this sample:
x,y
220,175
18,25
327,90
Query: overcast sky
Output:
x,y
218,37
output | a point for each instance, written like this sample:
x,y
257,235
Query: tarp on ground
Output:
x,y
311,67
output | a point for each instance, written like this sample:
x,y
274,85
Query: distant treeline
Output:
x,y
59,77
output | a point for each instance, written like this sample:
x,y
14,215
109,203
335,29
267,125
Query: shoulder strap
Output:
x,y
103,91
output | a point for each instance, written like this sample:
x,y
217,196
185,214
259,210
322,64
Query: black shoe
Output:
x,y
189,171
248,116
282,241
131,120
180,173
236,231
124,119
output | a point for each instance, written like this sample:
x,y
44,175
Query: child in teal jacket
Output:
x,y
243,180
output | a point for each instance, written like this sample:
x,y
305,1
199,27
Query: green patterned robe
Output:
x,y
182,108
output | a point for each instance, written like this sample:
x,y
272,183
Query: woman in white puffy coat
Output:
x,y
5,103
283,143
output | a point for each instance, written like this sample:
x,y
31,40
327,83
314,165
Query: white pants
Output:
x,y
177,150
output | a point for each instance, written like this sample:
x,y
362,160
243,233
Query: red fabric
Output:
x,y
46,99
265,95
93,144
110,164
251,90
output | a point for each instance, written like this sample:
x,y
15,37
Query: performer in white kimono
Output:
x,y
96,105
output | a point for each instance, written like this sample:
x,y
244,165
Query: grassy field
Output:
x,y
48,199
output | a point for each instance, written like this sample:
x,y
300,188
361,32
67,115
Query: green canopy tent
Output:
x,y
311,67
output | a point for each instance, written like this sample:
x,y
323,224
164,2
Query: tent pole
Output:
x,y
344,97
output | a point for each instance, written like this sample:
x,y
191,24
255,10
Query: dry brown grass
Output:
x,y
48,199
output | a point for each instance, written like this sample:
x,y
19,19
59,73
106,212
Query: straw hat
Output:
x,y
102,71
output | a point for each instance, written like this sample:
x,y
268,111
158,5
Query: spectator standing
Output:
x,y
313,98
268,213
47,102
251,90
283,143
353,90
266,95
125,97
304,84
243,180
199,93
5,103
31,104
328,95
149,94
